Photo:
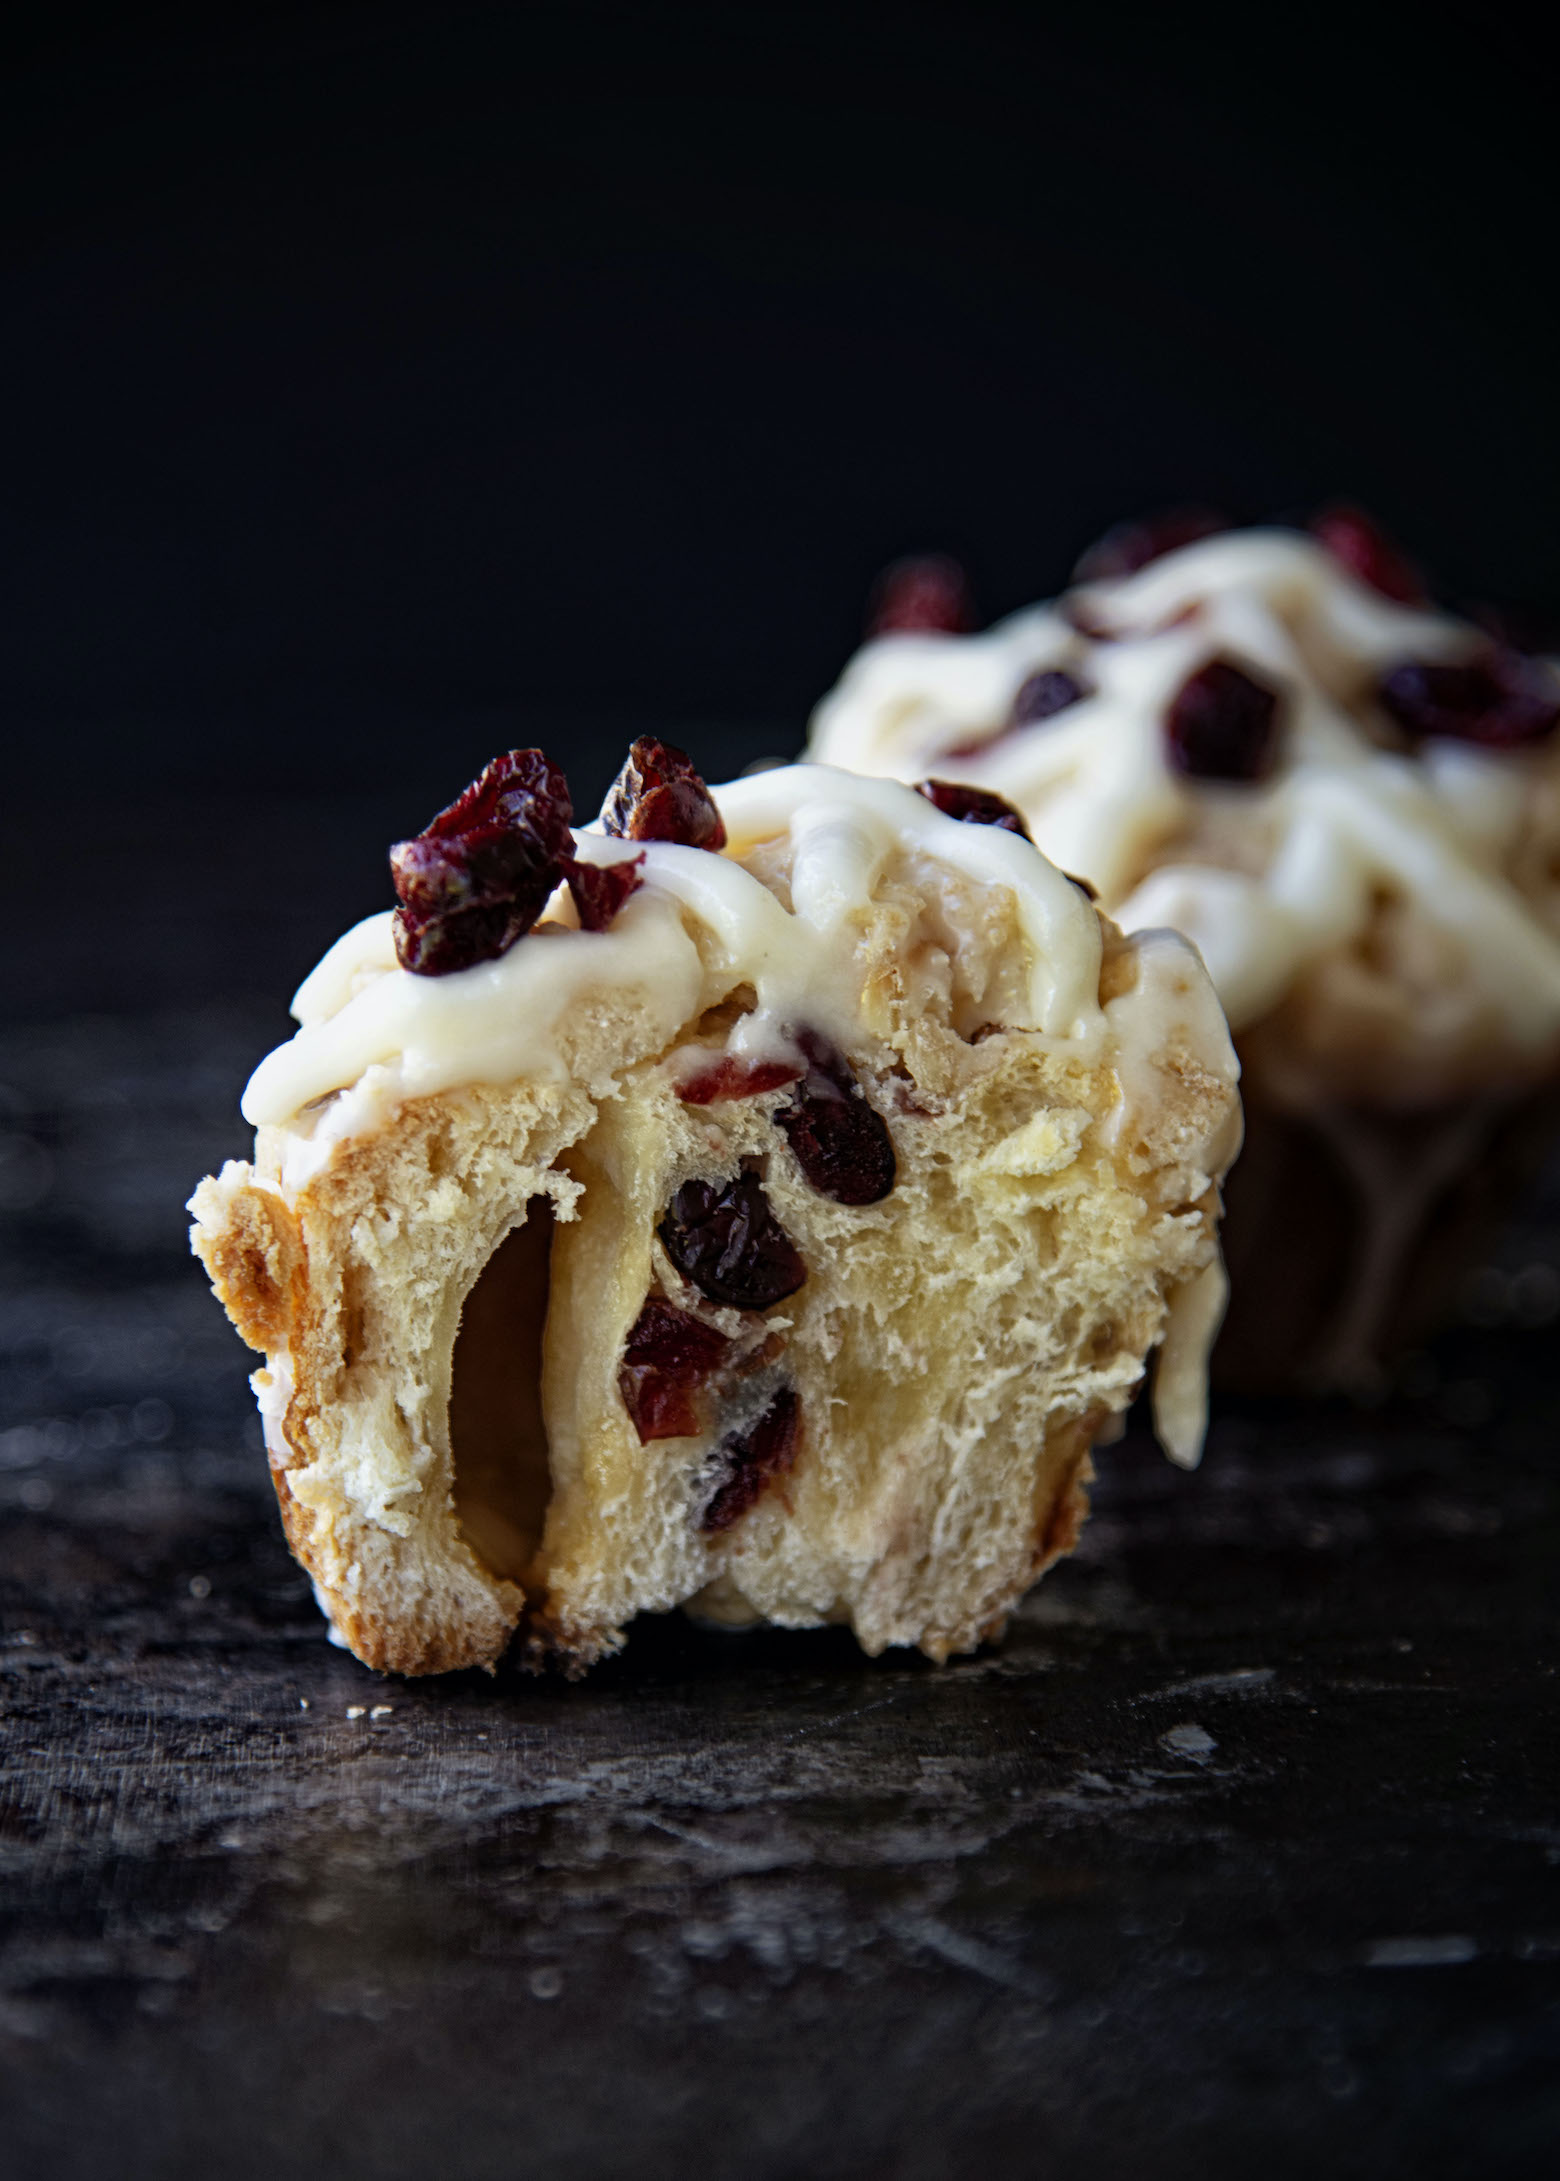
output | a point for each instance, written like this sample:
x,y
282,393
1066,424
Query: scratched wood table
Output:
x,y
1240,1855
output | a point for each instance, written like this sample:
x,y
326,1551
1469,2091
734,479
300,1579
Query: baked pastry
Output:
x,y
1350,801
768,1226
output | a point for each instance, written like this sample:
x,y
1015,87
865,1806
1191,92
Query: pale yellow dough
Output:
x,y
955,1351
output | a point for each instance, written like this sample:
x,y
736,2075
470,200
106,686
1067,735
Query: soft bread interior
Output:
x,y
445,1303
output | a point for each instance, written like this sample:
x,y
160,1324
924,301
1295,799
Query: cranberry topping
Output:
x,y
600,889
729,1077
1501,700
724,1237
972,806
1045,694
745,1466
1223,725
1351,536
929,593
477,878
661,796
668,1359
1130,546
1041,697
841,1143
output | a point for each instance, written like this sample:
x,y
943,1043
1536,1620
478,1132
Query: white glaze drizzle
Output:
x,y
699,926
1180,1392
1340,816
1170,1011
1170,1008
371,1034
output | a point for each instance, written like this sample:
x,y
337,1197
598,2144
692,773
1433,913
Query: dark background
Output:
x,y
384,387
387,385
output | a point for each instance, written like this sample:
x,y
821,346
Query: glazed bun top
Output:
x,y
778,910
1247,738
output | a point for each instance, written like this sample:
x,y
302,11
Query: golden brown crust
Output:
x,y
1058,1530
406,1595
253,1251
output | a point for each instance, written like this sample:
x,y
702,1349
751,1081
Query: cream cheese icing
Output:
x,y
372,1035
699,926
1341,818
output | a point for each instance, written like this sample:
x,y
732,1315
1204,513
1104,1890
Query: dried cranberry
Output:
x,y
477,878
724,1237
1223,725
841,1143
1351,536
1045,694
729,1077
1130,546
929,593
660,796
745,1466
1041,697
972,806
600,889
667,1360
1502,700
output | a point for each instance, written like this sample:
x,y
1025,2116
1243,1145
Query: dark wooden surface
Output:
x,y
1240,1855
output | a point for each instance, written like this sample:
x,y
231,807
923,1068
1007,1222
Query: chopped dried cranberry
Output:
x,y
1502,700
660,796
1223,725
1041,697
667,1360
600,889
729,1077
745,1466
929,593
477,878
972,806
1045,694
1130,546
841,1143
724,1237
1351,536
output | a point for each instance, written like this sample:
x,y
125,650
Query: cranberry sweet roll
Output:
x,y
1350,801
759,1202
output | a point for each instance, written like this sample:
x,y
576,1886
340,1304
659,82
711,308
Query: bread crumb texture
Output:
x,y
954,1352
